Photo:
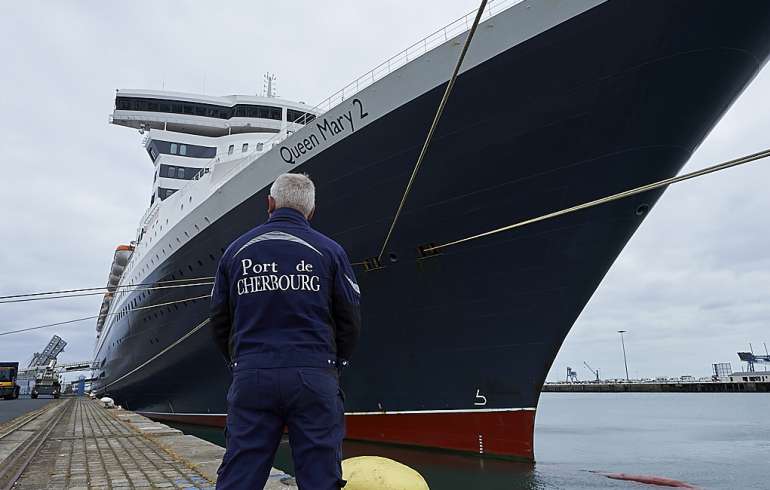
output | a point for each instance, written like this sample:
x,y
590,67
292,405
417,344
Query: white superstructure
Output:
x,y
185,134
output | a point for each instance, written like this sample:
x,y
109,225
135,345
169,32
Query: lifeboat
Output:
x,y
119,262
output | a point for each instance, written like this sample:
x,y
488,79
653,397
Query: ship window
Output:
x,y
183,149
230,149
298,117
245,148
163,193
173,148
175,172
260,146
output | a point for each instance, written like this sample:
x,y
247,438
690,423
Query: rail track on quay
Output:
x,y
20,458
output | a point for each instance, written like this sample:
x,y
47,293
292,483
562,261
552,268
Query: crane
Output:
x,y
595,371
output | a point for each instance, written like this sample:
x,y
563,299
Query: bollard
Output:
x,y
376,473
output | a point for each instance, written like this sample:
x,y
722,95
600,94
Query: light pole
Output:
x,y
623,344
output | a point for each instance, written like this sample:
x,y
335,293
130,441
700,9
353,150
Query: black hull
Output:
x,y
616,97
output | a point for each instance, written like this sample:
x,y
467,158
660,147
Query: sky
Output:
x,y
691,288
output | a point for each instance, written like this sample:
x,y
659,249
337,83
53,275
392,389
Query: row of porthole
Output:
x,y
133,302
187,234
170,246
161,313
145,294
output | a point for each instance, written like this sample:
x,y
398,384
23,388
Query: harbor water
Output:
x,y
715,440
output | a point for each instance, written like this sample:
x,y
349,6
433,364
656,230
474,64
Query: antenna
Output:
x,y
269,85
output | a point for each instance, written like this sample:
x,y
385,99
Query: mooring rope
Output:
x,y
436,119
614,197
38,327
148,361
103,289
39,297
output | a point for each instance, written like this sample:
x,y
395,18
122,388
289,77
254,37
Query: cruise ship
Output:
x,y
558,102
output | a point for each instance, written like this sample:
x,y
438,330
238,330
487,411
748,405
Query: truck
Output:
x,y
47,382
9,390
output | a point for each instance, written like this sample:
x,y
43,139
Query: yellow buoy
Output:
x,y
376,473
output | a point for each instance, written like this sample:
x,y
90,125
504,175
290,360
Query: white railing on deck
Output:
x,y
415,50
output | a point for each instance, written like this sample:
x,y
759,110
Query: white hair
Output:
x,y
294,191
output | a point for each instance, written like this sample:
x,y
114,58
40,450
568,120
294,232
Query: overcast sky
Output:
x,y
691,287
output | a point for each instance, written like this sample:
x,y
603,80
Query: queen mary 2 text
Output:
x,y
323,130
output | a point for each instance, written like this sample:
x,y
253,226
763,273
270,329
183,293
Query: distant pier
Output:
x,y
77,443
659,387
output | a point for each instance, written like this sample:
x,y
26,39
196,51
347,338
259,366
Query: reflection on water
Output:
x,y
440,469
718,440
443,469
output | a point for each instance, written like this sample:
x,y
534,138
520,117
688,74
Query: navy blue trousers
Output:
x,y
261,402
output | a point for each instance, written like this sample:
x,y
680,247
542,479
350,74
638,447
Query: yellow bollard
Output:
x,y
376,473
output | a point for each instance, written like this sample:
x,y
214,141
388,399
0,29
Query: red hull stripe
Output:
x,y
507,433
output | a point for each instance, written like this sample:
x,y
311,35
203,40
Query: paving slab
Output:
x,y
95,447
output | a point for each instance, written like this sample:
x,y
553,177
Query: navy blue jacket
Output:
x,y
285,296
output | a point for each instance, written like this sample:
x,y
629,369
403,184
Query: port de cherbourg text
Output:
x,y
268,278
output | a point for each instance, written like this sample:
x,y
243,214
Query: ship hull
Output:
x,y
455,347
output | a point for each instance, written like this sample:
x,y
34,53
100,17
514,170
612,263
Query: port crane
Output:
x,y
594,371
750,358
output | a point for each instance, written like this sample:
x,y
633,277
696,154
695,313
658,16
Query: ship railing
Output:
x,y
416,50
395,62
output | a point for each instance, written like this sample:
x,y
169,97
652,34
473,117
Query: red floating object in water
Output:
x,y
648,479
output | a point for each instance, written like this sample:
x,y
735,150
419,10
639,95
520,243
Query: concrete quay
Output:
x,y
78,444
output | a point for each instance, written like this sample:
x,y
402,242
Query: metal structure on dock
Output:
x,y
55,347
750,359
46,361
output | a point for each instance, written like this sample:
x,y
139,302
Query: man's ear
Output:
x,y
270,204
310,216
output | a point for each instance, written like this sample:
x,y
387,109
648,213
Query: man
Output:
x,y
285,313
